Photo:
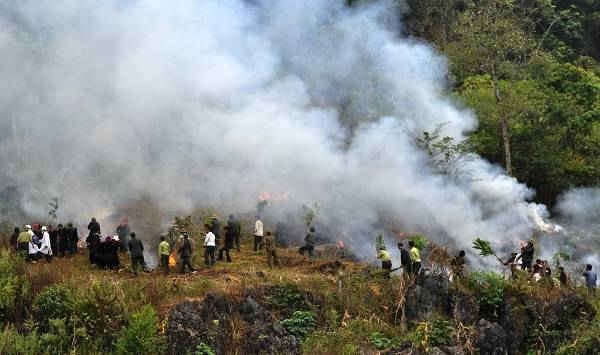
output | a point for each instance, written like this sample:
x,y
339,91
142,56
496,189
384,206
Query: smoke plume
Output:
x,y
210,103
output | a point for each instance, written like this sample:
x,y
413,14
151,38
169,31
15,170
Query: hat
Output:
x,y
28,227
115,238
44,228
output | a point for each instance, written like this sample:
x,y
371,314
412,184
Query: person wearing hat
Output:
x,y
45,248
23,241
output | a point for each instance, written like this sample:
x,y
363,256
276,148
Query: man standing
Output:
x,y
458,265
94,226
271,248
136,251
386,261
73,237
45,245
209,247
526,256
258,234
236,229
123,233
415,257
14,239
185,253
404,259
590,279
164,250
227,245
309,243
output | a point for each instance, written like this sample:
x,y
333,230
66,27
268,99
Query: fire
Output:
x,y
172,260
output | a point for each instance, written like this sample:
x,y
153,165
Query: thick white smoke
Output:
x,y
209,103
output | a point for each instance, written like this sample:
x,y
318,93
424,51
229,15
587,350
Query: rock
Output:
x,y
431,296
492,338
465,308
210,321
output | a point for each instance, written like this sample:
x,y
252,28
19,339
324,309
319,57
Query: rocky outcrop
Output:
x,y
226,324
492,339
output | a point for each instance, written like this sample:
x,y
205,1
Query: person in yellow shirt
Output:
x,y
386,261
164,250
415,257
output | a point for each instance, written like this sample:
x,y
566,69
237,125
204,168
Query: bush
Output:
x,y
489,289
300,323
203,349
432,333
287,296
14,289
55,302
141,335
14,343
100,312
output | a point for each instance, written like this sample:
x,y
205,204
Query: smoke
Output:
x,y
579,211
210,103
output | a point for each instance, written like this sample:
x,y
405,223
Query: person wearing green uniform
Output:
x,y
164,250
386,261
415,257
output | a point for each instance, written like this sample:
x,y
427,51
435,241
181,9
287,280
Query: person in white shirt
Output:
x,y
45,247
258,234
209,247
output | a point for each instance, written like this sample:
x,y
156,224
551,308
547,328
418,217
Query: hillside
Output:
x,y
327,306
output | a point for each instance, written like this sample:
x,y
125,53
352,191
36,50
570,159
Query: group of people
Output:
x,y
410,259
38,241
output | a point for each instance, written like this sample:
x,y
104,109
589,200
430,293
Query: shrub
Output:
x,y
53,303
141,335
203,349
100,312
432,333
287,296
381,342
14,289
14,343
489,289
300,323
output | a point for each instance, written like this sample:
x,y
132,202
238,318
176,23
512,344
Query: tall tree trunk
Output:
x,y
506,144
504,134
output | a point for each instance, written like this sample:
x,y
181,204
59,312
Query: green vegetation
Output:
x,y
301,323
530,71
141,335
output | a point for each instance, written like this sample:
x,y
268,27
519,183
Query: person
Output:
x,y
94,226
93,242
35,243
590,279
136,252
61,241
53,239
512,262
415,257
113,247
164,250
527,251
458,265
386,261
73,238
235,228
562,276
538,270
258,234
227,245
185,253
271,249
23,241
404,259
309,243
123,233
14,244
45,248
215,228
209,247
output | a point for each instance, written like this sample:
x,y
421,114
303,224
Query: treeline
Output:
x,y
530,71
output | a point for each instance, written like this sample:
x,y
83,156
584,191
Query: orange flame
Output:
x,y
172,260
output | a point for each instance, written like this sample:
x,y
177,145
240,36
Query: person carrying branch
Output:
x,y
386,261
